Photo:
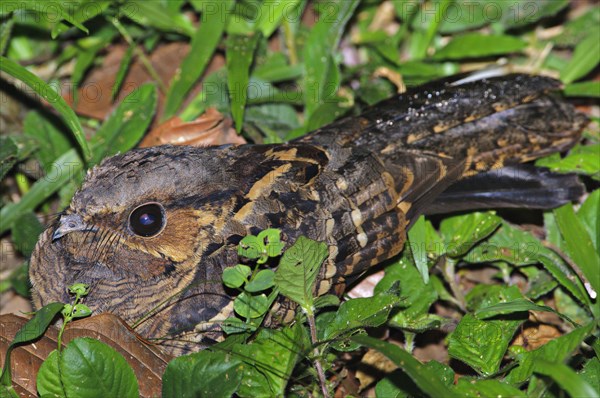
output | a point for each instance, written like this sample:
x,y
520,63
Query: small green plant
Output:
x,y
84,368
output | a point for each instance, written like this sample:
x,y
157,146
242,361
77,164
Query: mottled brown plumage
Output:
x,y
356,184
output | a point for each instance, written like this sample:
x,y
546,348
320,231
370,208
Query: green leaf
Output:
x,y
56,8
582,159
240,54
270,360
122,72
426,379
82,13
361,313
204,42
471,387
298,270
575,30
583,89
203,374
271,13
417,295
251,306
418,242
321,75
571,308
263,280
579,245
474,45
48,377
126,125
566,377
399,384
513,306
557,351
25,232
32,330
154,14
588,215
90,368
591,373
67,167
53,98
461,233
235,277
271,239
585,58
482,344
51,140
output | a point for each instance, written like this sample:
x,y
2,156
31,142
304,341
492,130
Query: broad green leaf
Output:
x,y
474,45
399,384
48,378
263,280
25,232
482,344
51,96
461,233
126,125
583,89
518,247
578,244
298,270
251,306
51,140
472,387
585,58
203,374
235,277
428,380
566,377
417,296
240,54
591,373
361,313
321,75
510,307
557,351
270,360
582,159
204,42
90,368
418,242
32,330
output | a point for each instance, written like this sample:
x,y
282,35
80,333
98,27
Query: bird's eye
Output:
x,y
147,220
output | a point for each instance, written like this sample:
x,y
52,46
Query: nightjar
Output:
x,y
151,230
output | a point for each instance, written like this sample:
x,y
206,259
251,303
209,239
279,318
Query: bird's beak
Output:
x,y
69,223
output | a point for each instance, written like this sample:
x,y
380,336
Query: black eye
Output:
x,y
147,219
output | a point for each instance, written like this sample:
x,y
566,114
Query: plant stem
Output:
x,y
313,338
